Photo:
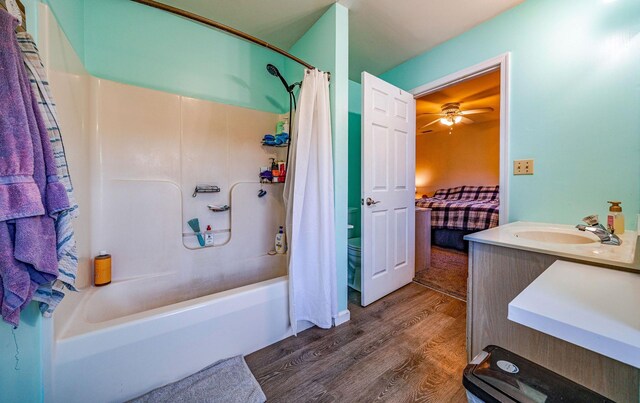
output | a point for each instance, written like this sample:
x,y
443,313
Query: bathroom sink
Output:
x,y
562,240
558,237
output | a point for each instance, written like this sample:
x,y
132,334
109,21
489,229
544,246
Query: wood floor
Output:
x,y
406,347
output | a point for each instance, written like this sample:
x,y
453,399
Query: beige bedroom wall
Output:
x,y
468,156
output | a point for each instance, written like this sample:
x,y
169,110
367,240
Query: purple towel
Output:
x,y
19,196
30,193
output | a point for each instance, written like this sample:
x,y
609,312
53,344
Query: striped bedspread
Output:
x,y
470,208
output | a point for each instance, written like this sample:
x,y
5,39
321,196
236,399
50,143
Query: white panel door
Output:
x,y
388,188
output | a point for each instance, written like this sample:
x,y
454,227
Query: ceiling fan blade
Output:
x,y
466,121
431,114
429,124
476,111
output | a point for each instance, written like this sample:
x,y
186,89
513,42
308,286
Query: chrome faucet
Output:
x,y
606,237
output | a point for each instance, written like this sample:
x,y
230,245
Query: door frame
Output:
x,y
499,62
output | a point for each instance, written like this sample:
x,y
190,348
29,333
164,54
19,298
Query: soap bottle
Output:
x,y
275,170
208,236
102,269
281,241
282,170
615,219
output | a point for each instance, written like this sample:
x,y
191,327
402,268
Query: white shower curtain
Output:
x,y
308,196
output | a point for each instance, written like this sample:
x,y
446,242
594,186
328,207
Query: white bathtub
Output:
x,y
103,356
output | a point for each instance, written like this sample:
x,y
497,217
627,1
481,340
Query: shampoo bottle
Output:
x,y
615,219
208,236
281,241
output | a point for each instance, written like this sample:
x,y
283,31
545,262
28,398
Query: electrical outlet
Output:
x,y
523,167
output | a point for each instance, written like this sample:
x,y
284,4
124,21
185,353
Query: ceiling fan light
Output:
x,y
457,119
446,121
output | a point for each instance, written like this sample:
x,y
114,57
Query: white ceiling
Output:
x,y
382,33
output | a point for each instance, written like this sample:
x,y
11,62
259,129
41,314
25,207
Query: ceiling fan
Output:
x,y
452,114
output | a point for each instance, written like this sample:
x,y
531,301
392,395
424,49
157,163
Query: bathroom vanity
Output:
x,y
506,260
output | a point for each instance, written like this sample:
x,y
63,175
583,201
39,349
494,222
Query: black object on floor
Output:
x,y
498,375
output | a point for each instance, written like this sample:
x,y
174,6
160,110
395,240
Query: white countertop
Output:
x,y
509,235
592,307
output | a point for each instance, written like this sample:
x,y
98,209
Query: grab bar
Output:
x,y
205,189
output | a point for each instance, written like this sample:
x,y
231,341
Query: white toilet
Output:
x,y
354,253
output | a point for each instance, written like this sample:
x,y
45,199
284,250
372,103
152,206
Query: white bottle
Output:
x,y
281,241
208,236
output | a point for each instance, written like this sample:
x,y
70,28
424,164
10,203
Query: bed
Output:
x,y
456,212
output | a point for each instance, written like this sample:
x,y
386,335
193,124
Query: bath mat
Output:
x,y
448,272
225,381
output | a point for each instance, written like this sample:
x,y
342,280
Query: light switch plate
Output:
x,y
523,167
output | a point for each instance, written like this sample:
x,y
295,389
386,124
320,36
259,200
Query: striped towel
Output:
x,y
50,295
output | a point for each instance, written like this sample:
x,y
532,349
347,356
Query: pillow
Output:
x,y
449,194
480,193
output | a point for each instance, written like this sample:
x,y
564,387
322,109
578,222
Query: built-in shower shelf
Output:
x,y
275,145
215,231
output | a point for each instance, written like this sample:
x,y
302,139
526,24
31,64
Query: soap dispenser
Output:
x,y
615,218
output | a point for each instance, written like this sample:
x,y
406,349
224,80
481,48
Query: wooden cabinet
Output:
x,y
496,276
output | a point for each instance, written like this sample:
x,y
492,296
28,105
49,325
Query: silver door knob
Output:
x,y
371,202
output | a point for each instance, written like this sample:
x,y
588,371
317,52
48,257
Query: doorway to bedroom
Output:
x,y
458,166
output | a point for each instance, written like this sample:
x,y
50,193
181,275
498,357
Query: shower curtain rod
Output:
x,y
214,24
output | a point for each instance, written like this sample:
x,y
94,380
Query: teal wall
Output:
x,y
21,381
135,44
575,97
325,45
355,153
70,14
31,10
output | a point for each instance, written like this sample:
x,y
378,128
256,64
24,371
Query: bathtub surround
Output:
x,y
117,39
308,196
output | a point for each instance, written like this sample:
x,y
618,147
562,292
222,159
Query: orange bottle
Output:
x,y
102,269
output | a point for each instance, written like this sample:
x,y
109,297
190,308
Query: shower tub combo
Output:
x,y
111,354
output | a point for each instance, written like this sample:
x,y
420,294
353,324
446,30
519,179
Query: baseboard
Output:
x,y
343,317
